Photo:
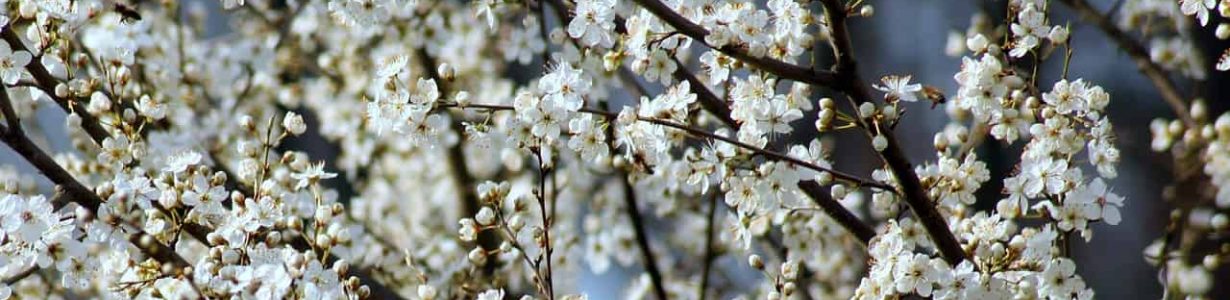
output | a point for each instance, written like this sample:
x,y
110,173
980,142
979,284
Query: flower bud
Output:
x,y
230,256
485,216
755,261
99,103
1211,261
977,43
462,98
341,266
879,142
293,123
427,292
1058,35
889,112
467,232
866,110
477,256
866,11
446,71
839,191
1219,222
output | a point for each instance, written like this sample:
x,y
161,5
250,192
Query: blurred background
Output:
x,y
909,37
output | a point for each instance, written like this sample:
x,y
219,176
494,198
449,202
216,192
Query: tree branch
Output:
x,y
710,253
47,84
839,213
642,239
849,82
71,190
777,67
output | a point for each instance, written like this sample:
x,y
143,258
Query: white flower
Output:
x,y
914,274
1056,281
26,218
115,150
1200,8
319,282
1028,28
311,175
953,283
716,66
426,93
360,12
486,8
491,295
173,288
135,187
593,23
523,42
293,123
659,67
12,63
229,4
151,108
1105,204
564,86
467,230
588,138
899,88
1068,97
99,103
1044,175
179,163
391,65
1223,61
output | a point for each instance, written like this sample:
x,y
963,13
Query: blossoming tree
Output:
x,y
182,176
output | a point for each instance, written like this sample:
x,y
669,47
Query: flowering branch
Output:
x,y
1169,92
777,67
710,101
47,84
700,133
851,83
72,189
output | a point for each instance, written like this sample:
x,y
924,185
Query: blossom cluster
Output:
x,y
660,136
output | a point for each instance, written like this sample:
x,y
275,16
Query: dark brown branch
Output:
x,y
642,239
47,84
717,107
770,154
851,83
1169,92
839,213
19,276
71,190
709,101
710,253
777,67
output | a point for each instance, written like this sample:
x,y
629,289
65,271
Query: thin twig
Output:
x,y
642,239
777,67
700,133
710,253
